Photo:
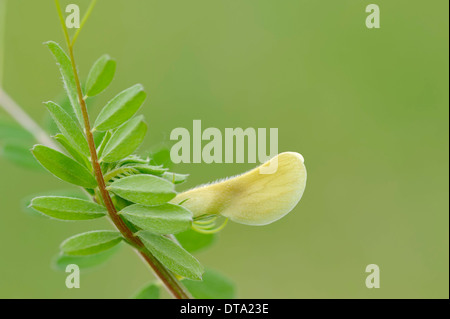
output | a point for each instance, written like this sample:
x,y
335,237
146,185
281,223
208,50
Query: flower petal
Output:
x,y
255,197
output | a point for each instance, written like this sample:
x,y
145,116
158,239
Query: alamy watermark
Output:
x,y
73,279
373,279
235,146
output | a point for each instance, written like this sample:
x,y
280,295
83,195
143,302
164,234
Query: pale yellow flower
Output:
x,y
252,198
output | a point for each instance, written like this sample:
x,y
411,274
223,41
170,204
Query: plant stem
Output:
x,y
11,107
167,278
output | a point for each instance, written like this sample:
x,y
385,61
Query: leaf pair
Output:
x,y
100,76
87,249
122,143
128,136
151,211
174,257
155,216
118,111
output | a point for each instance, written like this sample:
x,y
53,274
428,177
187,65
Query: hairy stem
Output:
x,y
167,278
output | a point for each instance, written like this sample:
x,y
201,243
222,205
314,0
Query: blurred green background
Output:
x,y
368,109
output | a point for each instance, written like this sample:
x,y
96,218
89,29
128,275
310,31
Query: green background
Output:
x,y
367,108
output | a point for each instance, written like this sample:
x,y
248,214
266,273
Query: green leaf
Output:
x,y
175,178
20,154
100,75
66,208
150,291
25,203
68,128
121,108
125,140
144,189
90,243
68,77
194,241
62,140
163,219
171,255
64,167
10,131
213,286
60,262
63,101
